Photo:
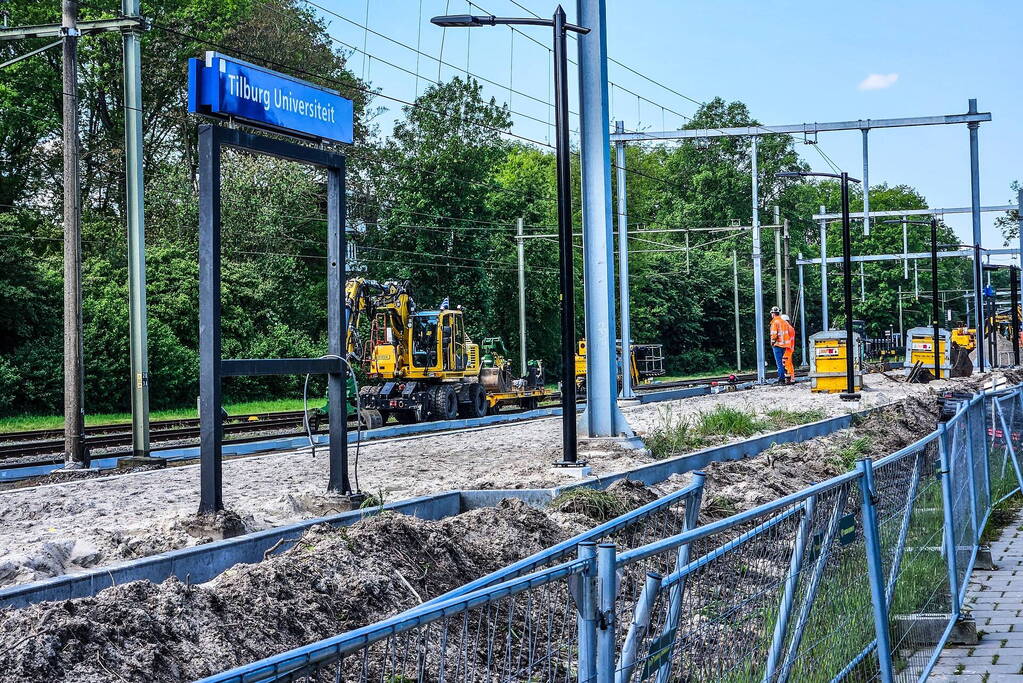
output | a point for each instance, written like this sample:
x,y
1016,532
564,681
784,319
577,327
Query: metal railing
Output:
x,y
860,577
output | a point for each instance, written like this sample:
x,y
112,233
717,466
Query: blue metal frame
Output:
x,y
872,542
593,574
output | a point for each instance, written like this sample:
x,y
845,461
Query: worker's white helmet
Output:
x,y
785,317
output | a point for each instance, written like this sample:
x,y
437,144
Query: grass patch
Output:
x,y
31,422
728,421
853,451
597,505
680,434
782,419
1002,515
677,434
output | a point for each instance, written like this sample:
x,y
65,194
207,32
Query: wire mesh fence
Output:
x,y
858,578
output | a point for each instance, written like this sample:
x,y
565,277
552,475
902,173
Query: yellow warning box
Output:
x,y
828,362
920,349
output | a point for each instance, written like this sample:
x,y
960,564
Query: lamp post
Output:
x,y
935,305
561,28
850,368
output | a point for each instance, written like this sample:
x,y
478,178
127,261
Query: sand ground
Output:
x,y
58,528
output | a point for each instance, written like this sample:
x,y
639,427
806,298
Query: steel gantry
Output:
x,y
823,218
972,119
68,31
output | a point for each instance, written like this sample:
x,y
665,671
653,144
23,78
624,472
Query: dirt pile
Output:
x,y
329,581
786,468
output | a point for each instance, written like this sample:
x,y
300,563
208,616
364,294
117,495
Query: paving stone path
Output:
x,y
995,599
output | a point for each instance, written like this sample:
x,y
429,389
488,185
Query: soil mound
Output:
x,y
329,581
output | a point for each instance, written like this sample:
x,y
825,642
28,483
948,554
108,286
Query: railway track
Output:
x,y
114,440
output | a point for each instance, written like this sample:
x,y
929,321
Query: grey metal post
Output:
x,y
210,448
802,316
135,215
901,336
75,454
586,613
872,542
777,262
863,287
977,241
824,272
866,184
905,250
787,267
522,295
735,296
758,285
1019,216
602,418
337,333
951,541
623,265
607,626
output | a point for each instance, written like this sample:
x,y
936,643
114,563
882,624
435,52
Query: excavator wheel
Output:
x,y
443,402
476,406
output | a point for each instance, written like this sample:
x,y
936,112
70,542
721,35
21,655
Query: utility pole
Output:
x,y
135,215
522,295
802,314
788,265
758,284
777,260
901,337
623,265
735,296
75,455
824,271
67,33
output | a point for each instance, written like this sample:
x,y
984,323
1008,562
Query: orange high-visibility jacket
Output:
x,y
779,333
790,335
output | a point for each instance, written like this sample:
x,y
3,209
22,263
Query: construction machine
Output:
x,y
421,365
646,361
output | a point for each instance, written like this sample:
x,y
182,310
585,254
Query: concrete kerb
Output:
x,y
204,562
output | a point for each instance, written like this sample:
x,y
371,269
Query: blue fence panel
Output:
x,y
841,581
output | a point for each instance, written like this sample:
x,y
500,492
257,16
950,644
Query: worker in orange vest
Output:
x,y
790,369
779,341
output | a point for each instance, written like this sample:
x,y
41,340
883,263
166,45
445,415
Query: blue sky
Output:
x,y
790,62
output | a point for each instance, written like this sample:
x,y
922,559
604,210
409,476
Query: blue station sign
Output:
x,y
227,87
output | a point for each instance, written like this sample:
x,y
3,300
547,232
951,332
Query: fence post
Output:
x,y
638,628
678,590
971,432
781,626
972,478
607,588
586,613
872,542
946,504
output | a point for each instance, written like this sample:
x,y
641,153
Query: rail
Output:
x,y
859,577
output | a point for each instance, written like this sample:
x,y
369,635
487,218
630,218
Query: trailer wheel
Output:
x,y
443,402
476,406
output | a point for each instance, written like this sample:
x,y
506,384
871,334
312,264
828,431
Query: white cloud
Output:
x,y
878,81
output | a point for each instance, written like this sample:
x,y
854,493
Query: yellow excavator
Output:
x,y
421,365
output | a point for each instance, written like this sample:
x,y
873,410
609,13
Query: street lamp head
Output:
x,y
816,174
463,20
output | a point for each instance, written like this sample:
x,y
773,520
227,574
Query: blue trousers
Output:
x,y
779,359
